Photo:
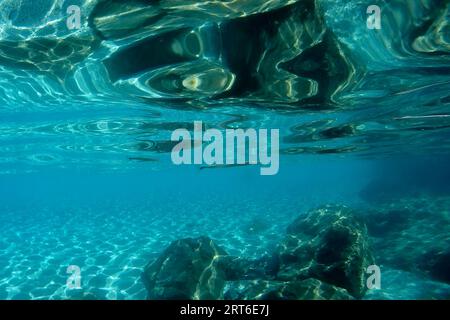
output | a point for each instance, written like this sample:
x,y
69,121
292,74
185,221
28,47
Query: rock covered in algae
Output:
x,y
325,255
196,268
309,289
238,268
187,269
329,244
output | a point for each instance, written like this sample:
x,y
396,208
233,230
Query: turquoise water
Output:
x,y
86,117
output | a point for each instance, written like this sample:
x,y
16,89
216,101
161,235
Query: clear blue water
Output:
x,y
86,116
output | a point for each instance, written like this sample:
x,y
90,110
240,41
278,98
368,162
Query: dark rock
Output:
x,y
441,269
236,268
387,221
310,289
329,244
198,269
325,255
412,234
437,264
187,269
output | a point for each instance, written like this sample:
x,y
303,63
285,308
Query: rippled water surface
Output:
x,y
86,116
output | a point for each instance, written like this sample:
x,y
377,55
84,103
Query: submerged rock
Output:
x,y
413,235
329,244
187,269
325,255
310,289
436,263
198,269
237,268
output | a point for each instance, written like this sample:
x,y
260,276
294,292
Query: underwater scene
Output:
x,y
224,149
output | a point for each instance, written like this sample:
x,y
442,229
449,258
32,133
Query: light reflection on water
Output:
x,y
121,83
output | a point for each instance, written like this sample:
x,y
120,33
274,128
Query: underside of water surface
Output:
x,y
93,206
